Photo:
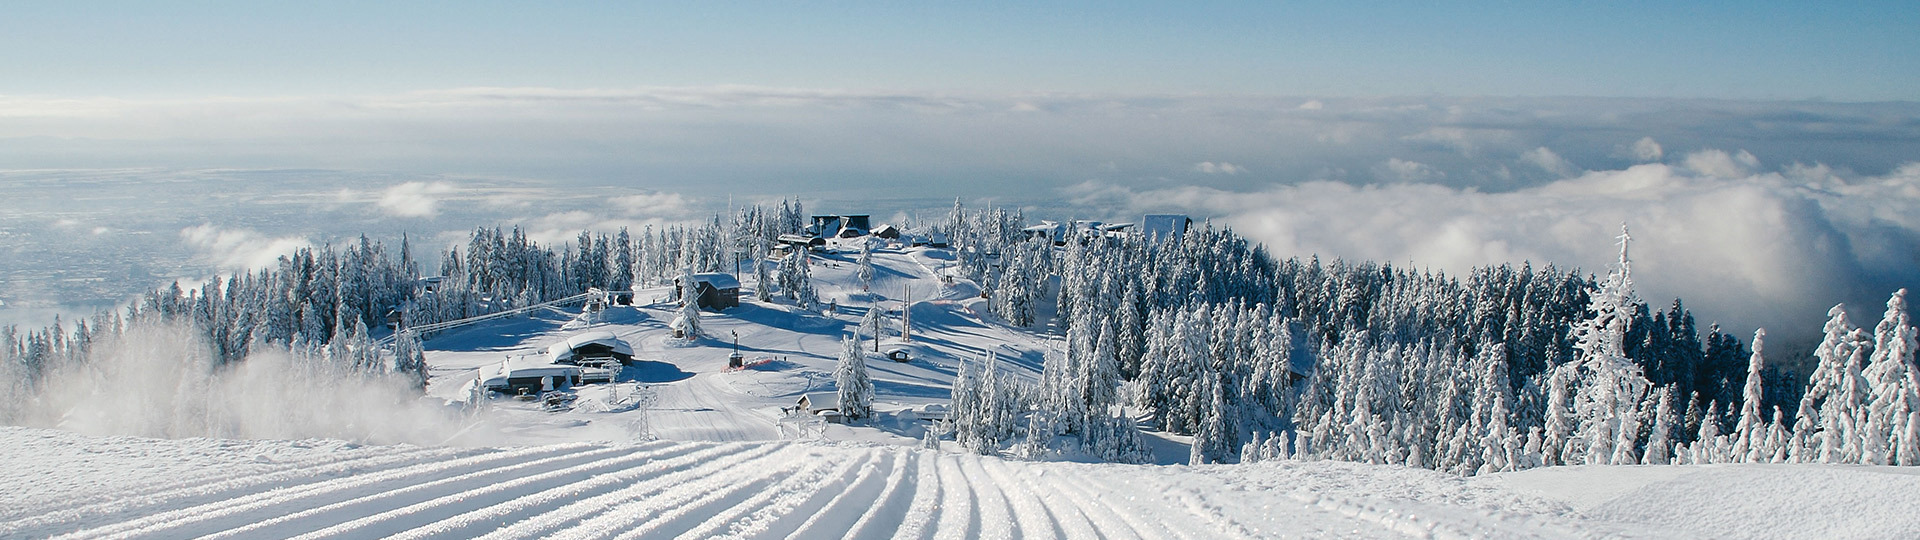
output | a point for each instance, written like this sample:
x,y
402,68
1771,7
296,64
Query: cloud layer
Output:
x,y
1758,212
238,249
710,141
1747,249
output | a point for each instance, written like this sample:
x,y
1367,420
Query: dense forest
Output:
x,y
1202,334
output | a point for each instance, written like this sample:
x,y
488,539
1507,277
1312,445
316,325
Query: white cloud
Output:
x,y
656,204
238,249
1718,163
1208,167
1549,161
1409,171
1646,150
1312,105
1465,141
1769,249
413,199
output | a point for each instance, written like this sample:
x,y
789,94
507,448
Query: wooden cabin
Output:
x,y
715,291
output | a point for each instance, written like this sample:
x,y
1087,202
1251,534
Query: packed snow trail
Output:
x,y
666,489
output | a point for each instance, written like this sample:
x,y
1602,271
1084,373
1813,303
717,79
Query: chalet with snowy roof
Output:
x,y
529,375
802,241
598,354
841,226
716,290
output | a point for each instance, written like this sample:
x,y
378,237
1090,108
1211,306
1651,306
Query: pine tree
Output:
x,y
1817,426
803,293
1890,377
1610,386
410,360
1210,442
762,281
689,318
863,266
872,324
1750,434
1659,442
856,389
1707,443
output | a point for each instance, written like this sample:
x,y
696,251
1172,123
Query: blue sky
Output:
x,y
1843,51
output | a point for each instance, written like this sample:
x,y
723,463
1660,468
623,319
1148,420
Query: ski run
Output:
x,y
123,487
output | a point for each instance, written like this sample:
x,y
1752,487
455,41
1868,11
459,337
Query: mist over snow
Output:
x,y
158,380
238,249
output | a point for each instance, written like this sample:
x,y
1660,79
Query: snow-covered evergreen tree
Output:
x,y
1609,385
804,294
872,324
984,406
762,280
850,377
689,319
1750,435
863,266
410,360
1659,441
1890,376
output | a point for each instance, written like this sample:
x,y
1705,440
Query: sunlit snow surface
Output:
x,y
90,487
683,448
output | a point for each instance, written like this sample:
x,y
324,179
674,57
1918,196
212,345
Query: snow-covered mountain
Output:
x,y
679,445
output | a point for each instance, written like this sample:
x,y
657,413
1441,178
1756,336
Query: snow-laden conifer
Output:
x,y
863,266
872,324
1890,377
689,319
1659,440
1609,385
850,377
1751,432
762,279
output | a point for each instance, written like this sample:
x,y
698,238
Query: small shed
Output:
x,y
888,232
717,290
816,403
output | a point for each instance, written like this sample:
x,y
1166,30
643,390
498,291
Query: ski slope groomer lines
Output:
x,y
702,409
760,490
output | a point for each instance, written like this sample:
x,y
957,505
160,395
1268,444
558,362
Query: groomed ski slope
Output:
x,y
79,486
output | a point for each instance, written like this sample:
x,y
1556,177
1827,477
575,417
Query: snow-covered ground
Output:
x,y
681,447
682,391
87,487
